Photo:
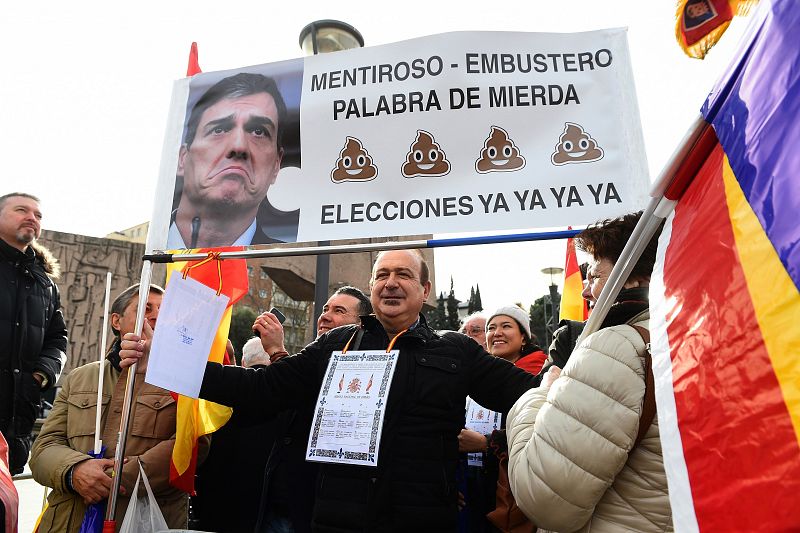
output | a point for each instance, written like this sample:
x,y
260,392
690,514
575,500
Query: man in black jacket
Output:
x,y
412,488
33,336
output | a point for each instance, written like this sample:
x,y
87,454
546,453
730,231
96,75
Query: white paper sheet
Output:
x,y
482,420
187,323
348,418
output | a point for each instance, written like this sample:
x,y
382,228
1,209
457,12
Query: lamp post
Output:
x,y
551,322
320,37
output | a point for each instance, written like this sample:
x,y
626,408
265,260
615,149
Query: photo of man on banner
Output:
x,y
238,134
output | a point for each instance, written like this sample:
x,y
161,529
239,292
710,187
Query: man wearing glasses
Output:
x,y
475,328
345,306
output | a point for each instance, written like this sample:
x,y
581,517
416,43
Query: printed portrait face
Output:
x,y
234,156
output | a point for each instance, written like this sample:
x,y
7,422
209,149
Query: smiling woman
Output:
x,y
508,335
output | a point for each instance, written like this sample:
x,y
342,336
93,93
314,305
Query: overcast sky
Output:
x,y
86,87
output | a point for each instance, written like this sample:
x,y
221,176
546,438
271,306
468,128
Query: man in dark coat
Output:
x,y
413,486
33,336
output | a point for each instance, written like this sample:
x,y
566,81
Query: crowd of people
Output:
x,y
576,448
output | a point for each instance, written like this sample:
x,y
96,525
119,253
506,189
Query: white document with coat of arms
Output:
x,y
348,418
482,420
187,324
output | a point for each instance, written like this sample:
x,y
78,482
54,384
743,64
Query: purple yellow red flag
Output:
x,y
701,23
573,306
196,418
725,304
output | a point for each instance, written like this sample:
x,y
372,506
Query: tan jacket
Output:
x,y
68,433
569,463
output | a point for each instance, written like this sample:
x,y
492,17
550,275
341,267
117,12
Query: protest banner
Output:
x,y
468,131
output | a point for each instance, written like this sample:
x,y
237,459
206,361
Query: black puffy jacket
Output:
x,y
33,337
413,486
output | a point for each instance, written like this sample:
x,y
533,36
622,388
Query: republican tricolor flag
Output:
x,y
725,303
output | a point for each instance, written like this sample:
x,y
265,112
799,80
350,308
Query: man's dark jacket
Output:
x,y
413,486
33,336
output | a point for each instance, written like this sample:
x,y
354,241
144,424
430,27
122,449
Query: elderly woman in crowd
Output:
x,y
578,460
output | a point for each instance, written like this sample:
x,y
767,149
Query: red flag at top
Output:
x,y
194,66
701,23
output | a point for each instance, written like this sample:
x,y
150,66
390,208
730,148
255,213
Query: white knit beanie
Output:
x,y
515,312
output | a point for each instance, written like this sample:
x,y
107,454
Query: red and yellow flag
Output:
x,y
573,306
196,418
701,23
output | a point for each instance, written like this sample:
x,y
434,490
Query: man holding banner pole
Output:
x,y
59,456
410,483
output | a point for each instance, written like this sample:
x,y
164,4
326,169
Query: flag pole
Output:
x,y
163,257
98,443
122,436
667,189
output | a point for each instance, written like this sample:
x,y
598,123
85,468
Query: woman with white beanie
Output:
x,y
508,335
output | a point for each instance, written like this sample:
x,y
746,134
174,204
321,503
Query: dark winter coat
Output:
x,y
413,486
33,337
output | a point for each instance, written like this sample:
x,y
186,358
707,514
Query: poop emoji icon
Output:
x,y
354,163
575,146
425,158
499,153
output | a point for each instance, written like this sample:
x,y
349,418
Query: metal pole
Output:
x,y
161,257
665,192
553,312
98,431
321,281
122,436
546,322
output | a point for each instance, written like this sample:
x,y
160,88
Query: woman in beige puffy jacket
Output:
x,y
573,465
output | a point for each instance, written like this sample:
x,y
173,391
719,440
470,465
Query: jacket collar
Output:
x,y
113,355
28,262
13,254
420,330
629,303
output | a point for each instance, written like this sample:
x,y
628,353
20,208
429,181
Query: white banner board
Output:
x,y
469,131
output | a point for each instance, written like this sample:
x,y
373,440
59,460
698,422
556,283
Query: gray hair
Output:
x,y
13,194
253,353
473,316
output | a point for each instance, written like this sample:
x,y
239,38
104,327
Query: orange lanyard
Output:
x,y
389,349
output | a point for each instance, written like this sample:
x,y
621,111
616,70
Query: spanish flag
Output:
x,y
725,299
701,23
573,306
196,418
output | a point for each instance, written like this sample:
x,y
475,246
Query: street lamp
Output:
x,y
551,322
321,37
